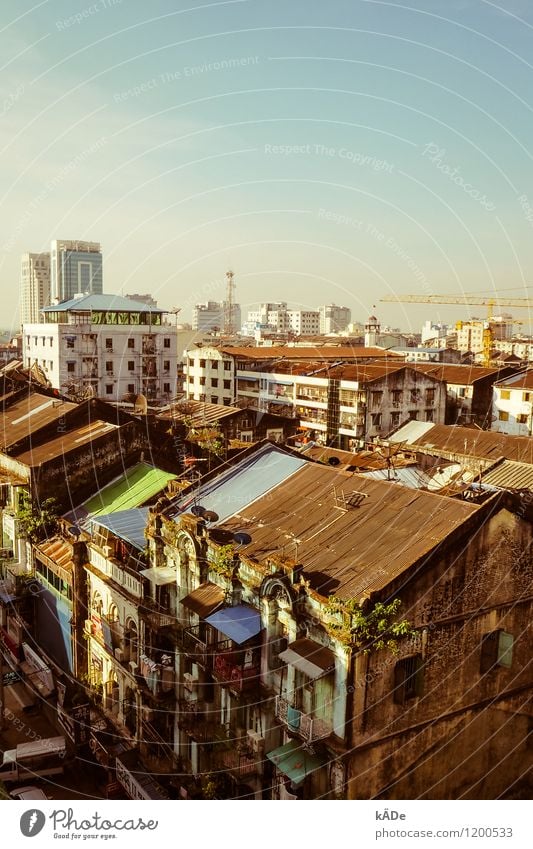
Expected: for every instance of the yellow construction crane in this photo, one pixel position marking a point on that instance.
(468, 300)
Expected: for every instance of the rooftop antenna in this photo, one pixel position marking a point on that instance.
(229, 305)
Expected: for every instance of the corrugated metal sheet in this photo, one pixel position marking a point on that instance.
(243, 483)
(204, 599)
(410, 476)
(309, 657)
(137, 486)
(411, 431)
(348, 552)
(128, 525)
(28, 415)
(470, 442)
(65, 443)
(198, 413)
(524, 380)
(510, 475)
(318, 353)
(239, 623)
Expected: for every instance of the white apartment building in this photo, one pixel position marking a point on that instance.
(470, 334)
(304, 322)
(434, 332)
(333, 319)
(209, 376)
(34, 286)
(211, 316)
(105, 344)
(348, 405)
(513, 405)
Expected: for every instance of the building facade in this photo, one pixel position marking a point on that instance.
(209, 375)
(211, 316)
(34, 286)
(107, 346)
(75, 268)
(333, 319)
(513, 405)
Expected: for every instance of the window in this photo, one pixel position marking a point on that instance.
(131, 365)
(227, 366)
(376, 398)
(202, 381)
(247, 435)
(51, 341)
(202, 363)
(415, 396)
(413, 415)
(109, 389)
(214, 382)
(191, 379)
(131, 387)
(429, 415)
(521, 419)
(227, 384)
(214, 365)
(70, 342)
(226, 401)
(201, 396)
(496, 650)
(526, 396)
(394, 419)
(166, 365)
(376, 419)
(505, 394)
(131, 343)
(214, 399)
(109, 344)
(503, 416)
(462, 392)
(408, 679)
(50, 364)
(109, 367)
(430, 396)
(71, 367)
(166, 387)
(166, 342)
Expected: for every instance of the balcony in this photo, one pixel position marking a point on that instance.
(195, 647)
(237, 759)
(237, 676)
(201, 724)
(155, 616)
(302, 724)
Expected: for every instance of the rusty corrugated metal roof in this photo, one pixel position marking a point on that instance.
(65, 443)
(510, 474)
(348, 552)
(198, 413)
(204, 600)
(28, 415)
(460, 375)
(319, 353)
(471, 442)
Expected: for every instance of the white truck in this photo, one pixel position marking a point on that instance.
(38, 757)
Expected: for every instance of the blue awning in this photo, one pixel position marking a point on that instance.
(238, 623)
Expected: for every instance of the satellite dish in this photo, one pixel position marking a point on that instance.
(333, 461)
(242, 539)
(75, 531)
(90, 392)
(210, 516)
(198, 510)
(140, 405)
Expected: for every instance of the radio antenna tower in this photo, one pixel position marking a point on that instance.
(229, 306)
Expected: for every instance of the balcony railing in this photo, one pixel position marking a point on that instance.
(236, 676)
(196, 647)
(303, 724)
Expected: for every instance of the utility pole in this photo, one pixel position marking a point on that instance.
(2, 723)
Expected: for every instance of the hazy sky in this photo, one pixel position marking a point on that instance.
(338, 150)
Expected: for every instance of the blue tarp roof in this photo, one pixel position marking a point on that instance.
(238, 623)
(128, 525)
(243, 483)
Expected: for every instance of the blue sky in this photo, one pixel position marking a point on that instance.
(336, 151)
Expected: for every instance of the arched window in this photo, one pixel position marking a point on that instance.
(97, 604)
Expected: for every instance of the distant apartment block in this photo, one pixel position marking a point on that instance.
(34, 286)
(211, 316)
(277, 318)
(143, 299)
(105, 345)
(209, 376)
(513, 405)
(75, 268)
(304, 322)
(334, 319)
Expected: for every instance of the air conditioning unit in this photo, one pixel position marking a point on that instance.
(256, 742)
(189, 682)
(120, 655)
(107, 550)
(148, 714)
(88, 627)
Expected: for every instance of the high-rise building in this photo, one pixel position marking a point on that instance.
(34, 286)
(75, 268)
(212, 315)
(334, 319)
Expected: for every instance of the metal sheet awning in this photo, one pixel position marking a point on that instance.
(238, 623)
(294, 761)
(164, 575)
(309, 657)
(204, 600)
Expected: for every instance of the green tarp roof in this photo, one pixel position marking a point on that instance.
(134, 488)
(294, 761)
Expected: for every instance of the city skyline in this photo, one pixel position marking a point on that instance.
(339, 149)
